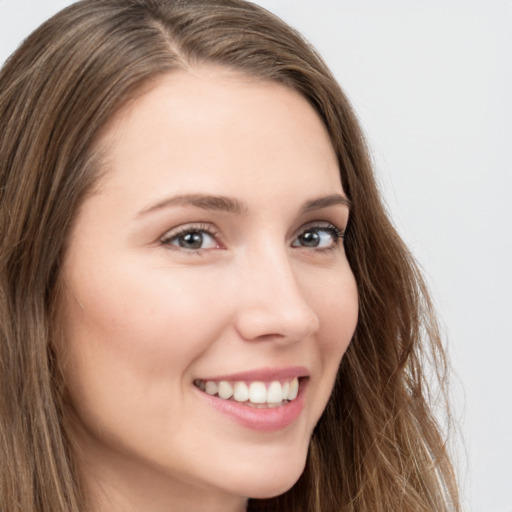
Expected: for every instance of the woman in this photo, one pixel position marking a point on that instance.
(194, 255)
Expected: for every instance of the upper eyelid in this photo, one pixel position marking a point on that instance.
(321, 224)
(185, 228)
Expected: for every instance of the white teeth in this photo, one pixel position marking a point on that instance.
(211, 387)
(294, 389)
(275, 393)
(286, 389)
(258, 393)
(225, 390)
(241, 392)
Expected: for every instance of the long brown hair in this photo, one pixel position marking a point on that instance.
(377, 447)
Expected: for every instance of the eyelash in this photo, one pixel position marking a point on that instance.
(337, 236)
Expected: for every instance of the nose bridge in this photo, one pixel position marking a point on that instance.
(272, 303)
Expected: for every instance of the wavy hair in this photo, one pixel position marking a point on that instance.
(377, 447)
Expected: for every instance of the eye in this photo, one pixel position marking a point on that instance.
(191, 238)
(325, 236)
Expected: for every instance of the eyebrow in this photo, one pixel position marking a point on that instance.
(231, 205)
(205, 202)
(325, 202)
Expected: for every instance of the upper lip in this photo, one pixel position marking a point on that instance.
(264, 374)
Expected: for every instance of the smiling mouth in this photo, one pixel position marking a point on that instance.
(258, 394)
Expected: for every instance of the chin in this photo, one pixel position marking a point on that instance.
(272, 482)
(267, 493)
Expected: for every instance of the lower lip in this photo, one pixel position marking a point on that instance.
(260, 419)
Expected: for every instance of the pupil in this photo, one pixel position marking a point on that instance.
(310, 239)
(192, 241)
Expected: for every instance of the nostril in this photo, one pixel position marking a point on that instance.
(278, 325)
(271, 305)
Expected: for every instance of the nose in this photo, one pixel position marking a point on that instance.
(271, 304)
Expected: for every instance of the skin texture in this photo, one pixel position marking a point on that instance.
(143, 317)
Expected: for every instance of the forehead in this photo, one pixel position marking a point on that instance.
(214, 124)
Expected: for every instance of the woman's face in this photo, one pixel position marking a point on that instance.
(209, 261)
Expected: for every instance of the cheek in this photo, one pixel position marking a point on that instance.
(141, 315)
(129, 341)
(129, 335)
(338, 307)
(336, 304)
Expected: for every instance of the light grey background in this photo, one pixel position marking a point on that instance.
(431, 82)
